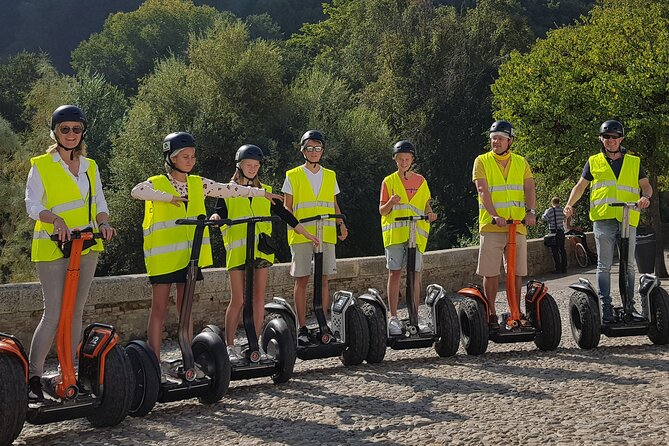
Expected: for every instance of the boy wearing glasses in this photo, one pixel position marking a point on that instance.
(310, 190)
(616, 176)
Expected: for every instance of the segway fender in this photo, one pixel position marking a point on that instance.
(280, 304)
(341, 301)
(99, 339)
(433, 295)
(373, 297)
(10, 344)
(475, 292)
(647, 282)
(584, 286)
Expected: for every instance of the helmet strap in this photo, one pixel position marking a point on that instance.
(173, 166)
(241, 172)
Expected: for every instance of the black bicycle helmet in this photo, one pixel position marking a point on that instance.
(66, 113)
(504, 127)
(177, 140)
(312, 134)
(249, 152)
(612, 126)
(404, 147)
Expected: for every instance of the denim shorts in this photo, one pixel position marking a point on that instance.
(396, 257)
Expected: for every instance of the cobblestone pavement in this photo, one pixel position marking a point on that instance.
(514, 394)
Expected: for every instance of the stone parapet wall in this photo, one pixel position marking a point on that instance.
(125, 301)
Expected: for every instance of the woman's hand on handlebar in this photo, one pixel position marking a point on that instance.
(61, 230)
(300, 229)
(107, 230)
(176, 201)
(272, 197)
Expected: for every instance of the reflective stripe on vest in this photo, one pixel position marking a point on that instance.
(167, 246)
(606, 188)
(396, 232)
(63, 198)
(306, 204)
(234, 237)
(507, 194)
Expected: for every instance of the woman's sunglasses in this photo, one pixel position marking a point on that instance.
(66, 130)
(611, 136)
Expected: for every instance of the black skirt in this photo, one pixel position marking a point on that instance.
(174, 277)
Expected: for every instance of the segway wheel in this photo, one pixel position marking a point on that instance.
(585, 320)
(277, 340)
(211, 355)
(119, 390)
(448, 329)
(659, 329)
(147, 377)
(548, 338)
(290, 323)
(376, 325)
(13, 397)
(473, 327)
(357, 337)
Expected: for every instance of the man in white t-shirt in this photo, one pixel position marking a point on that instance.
(311, 190)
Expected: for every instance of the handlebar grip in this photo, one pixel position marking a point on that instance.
(508, 221)
(78, 234)
(412, 217)
(631, 204)
(322, 217)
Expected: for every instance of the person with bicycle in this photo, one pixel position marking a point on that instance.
(554, 216)
(506, 190)
(616, 176)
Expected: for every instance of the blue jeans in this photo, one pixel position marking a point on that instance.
(607, 234)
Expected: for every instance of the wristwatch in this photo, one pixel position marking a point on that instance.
(531, 211)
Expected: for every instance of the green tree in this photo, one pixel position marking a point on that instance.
(18, 74)
(127, 47)
(612, 65)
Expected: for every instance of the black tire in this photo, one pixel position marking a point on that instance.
(13, 397)
(376, 325)
(211, 355)
(278, 341)
(119, 390)
(473, 326)
(585, 321)
(581, 255)
(146, 369)
(357, 337)
(551, 325)
(659, 329)
(270, 315)
(448, 329)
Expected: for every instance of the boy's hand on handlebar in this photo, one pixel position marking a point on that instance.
(272, 197)
(344, 232)
(176, 201)
(643, 203)
(431, 216)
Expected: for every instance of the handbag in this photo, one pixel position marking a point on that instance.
(265, 244)
(550, 239)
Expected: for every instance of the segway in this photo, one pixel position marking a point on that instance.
(277, 340)
(442, 330)
(101, 391)
(203, 371)
(348, 336)
(585, 309)
(545, 327)
(13, 388)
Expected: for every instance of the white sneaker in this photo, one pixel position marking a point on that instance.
(264, 356)
(234, 355)
(394, 326)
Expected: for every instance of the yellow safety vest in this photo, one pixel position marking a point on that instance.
(396, 232)
(508, 195)
(605, 188)
(234, 237)
(167, 246)
(63, 198)
(306, 204)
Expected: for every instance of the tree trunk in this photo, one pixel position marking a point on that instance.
(656, 223)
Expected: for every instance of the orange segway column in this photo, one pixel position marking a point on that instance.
(511, 291)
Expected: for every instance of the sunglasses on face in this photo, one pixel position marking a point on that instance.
(611, 136)
(66, 130)
(313, 148)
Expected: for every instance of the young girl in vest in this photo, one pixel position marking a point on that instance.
(312, 190)
(63, 192)
(403, 193)
(166, 245)
(249, 159)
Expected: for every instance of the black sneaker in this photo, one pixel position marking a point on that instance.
(608, 316)
(493, 322)
(303, 336)
(35, 389)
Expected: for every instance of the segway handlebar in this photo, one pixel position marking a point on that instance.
(412, 218)
(86, 235)
(322, 217)
(522, 222)
(629, 204)
(202, 221)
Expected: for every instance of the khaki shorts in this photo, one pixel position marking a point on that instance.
(492, 249)
(303, 254)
